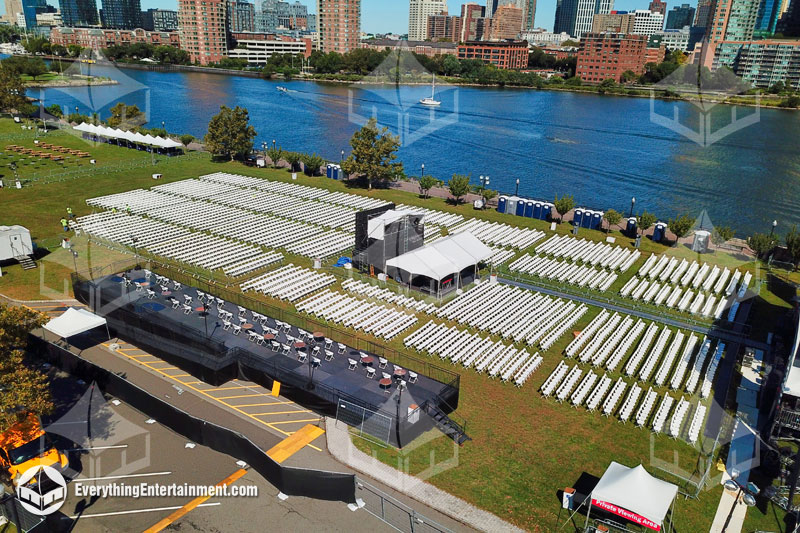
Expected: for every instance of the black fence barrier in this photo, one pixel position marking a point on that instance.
(292, 481)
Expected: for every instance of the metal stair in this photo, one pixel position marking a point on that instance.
(26, 262)
(446, 425)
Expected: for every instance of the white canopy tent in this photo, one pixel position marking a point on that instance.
(75, 321)
(114, 133)
(376, 225)
(633, 494)
(445, 257)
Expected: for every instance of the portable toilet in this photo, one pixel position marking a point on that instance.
(547, 211)
(597, 220)
(586, 221)
(577, 217)
(537, 210)
(501, 204)
(529, 209)
(659, 231)
(337, 172)
(329, 170)
(520, 212)
(630, 227)
(511, 205)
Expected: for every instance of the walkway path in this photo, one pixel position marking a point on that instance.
(724, 508)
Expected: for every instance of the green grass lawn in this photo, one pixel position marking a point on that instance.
(525, 448)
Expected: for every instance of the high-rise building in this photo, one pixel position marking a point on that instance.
(165, 20)
(528, 8)
(769, 11)
(292, 16)
(586, 10)
(702, 15)
(418, 13)
(658, 6)
(762, 63)
(267, 17)
(311, 22)
(614, 22)
(338, 25)
(679, 16)
(23, 12)
(566, 15)
(506, 23)
(443, 26)
(473, 22)
(241, 16)
(647, 22)
(202, 29)
(504, 55)
(733, 20)
(605, 56)
(79, 12)
(122, 14)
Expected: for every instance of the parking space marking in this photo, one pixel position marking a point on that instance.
(123, 476)
(262, 404)
(220, 399)
(134, 511)
(294, 443)
(283, 412)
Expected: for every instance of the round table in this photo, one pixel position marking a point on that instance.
(143, 284)
(166, 293)
(399, 372)
(368, 360)
(117, 279)
(247, 326)
(318, 336)
(385, 382)
(141, 281)
(299, 345)
(269, 337)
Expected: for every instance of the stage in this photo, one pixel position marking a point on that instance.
(354, 385)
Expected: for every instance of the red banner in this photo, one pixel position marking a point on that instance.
(624, 513)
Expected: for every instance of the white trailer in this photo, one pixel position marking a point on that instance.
(15, 241)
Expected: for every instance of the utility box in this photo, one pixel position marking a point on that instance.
(15, 241)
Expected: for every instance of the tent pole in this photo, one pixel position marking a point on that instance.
(588, 512)
(108, 332)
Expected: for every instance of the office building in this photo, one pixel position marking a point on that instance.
(575, 16)
(647, 22)
(50, 20)
(769, 11)
(443, 26)
(506, 23)
(425, 48)
(605, 56)
(122, 14)
(338, 25)
(762, 63)
(671, 39)
(202, 29)
(528, 8)
(164, 19)
(702, 15)
(241, 16)
(679, 16)
(292, 16)
(505, 54)
(97, 39)
(79, 12)
(657, 6)
(257, 48)
(542, 37)
(418, 13)
(267, 16)
(473, 22)
(614, 22)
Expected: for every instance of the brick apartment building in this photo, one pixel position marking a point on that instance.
(426, 48)
(502, 54)
(203, 28)
(605, 56)
(96, 38)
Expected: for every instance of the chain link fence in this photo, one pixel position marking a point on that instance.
(11, 512)
(394, 512)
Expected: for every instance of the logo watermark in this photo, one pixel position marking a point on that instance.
(159, 490)
(41, 490)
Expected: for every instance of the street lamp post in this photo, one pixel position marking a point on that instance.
(516, 191)
(774, 225)
(342, 159)
(74, 258)
(423, 170)
(273, 143)
(747, 494)
(134, 240)
(633, 203)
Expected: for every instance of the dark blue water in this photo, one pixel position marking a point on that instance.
(603, 150)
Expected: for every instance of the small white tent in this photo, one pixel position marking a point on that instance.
(73, 322)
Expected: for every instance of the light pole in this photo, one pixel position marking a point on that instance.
(633, 203)
(747, 494)
(774, 225)
(74, 259)
(273, 143)
(342, 159)
(423, 170)
(134, 240)
(516, 191)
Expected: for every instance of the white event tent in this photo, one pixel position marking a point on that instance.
(74, 322)
(138, 138)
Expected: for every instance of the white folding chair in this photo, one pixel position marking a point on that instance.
(353, 364)
(151, 294)
(370, 372)
(328, 355)
(412, 377)
(237, 329)
(382, 362)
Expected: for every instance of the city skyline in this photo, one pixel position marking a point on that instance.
(381, 16)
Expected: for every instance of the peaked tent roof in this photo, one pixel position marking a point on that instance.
(636, 490)
(443, 257)
(73, 322)
(116, 133)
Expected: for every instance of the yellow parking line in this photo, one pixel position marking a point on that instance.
(283, 412)
(191, 382)
(293, 421)
(294, 443)
(257, 404)
(227, 388)
(241, 396)
(181, 376)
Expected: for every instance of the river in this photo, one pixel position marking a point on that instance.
(601, 149)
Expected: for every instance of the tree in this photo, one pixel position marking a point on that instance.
(612, 218)
(35, 67)
(275, 155)
(312, 162)
(24, 389)
(762, 244)
(55, 110)
(374, 154)
(793, 245)
(680, 226)
(426, 183)
(629, 76)
(125, 116)
(458, 186)
(230, 133)
(563, 205)
(721, 234)
(293, 158)
(645, 221)
(12, 92)
(186, 139)
(487, 195)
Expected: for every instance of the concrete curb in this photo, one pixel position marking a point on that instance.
(342, 449)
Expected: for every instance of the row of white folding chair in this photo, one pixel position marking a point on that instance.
(676, 422)
(683, 364)
(614, 396)
(569, 383)
(581, 250)
(617, 335)
(555, 377)
(530, 366)
(598, 393)
(643, 414)
(662, 413)
(630, 403)
(711, 371)
(680, 270)
(662, 295)
(199, 215)
(685, 300)
(192, 188)
(249, 265)
(323, 244)
(455, 307)
(122, 228)
(731, 287)
(563, 310)
(233, 180)
(650, 294)
(669, 358)
(700, 276)
(710, 281)
(293, 189)
(352, 200)
(583, 388)
(648, 265)
(289, 282)
(514, 364)
(499, 234)
(674, 296)
(697, 367)
(641, 350)
(655, 354)
(708, 307)
(495, 366)
(548, 340)
(578, 342)
(268, 230)
(588, 352)
(618, 258)
(373, 291)
(500, 256)
(691, 272)
(694, 308)
(433, 216)
(662, 268)
(137, 200)
(489, 362)
(205, 251)
(421, 332)
(463, 345)
(697, 423)
(563, 271)
(616, 358)
(724, 303)
(640, 289)
(481, 357)
(628, 263)
(748, 276)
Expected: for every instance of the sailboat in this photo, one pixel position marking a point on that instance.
(431, 101)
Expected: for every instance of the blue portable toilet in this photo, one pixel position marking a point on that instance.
(329, 170)
(337, 172)
(511, 205)
(537, 210)
(659, 231)
(547, 210)
(501, 204)
(577, 217)
(586, 220)
(520, 212)
(529, 209)
(630, 228)
(597, 220)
